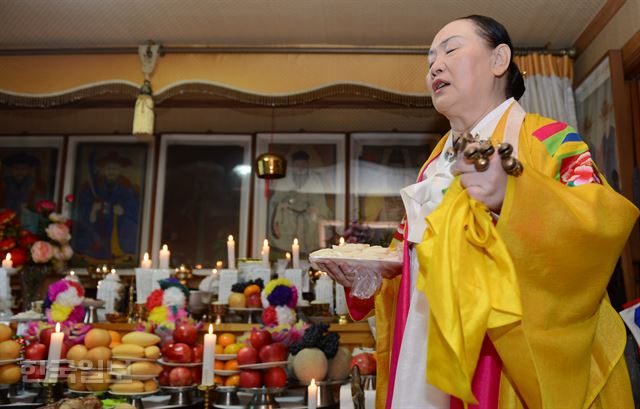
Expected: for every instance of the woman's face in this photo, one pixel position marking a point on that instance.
(460, 69)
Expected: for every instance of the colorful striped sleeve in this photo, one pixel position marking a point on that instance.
(564, 144)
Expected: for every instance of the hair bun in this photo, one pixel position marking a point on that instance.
(516, 81)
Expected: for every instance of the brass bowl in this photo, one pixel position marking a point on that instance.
(271, 166)
(116, 318)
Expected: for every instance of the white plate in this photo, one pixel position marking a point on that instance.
(130, 359)
(354, 263)
(132, 377)
(85, 392)
(10, 361)
(133, 393)
(226, 372)
(226, 357)
(178, 388)
(187, 364)
(264, 365)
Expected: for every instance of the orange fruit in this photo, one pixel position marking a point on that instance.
(231, 365)
(226, 339)
(233, 380)
(219, 349)
(251, 289)
(219, 365)
(218, 380)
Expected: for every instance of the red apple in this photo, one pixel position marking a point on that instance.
(45, 336)
(196, 375)
(179, 352)
(254, 301)
(366, 363)
(260, 338)
(275, 378)
(275, 352)
(35, 352)
(35, 372)
(164, 376)
(180, 376)
(247, 355)
(196, 353)
(166, 347)
(186, 333)
(250, 379)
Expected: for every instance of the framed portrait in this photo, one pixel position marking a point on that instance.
(310, 195)
(202, 197)
(110, 179)
(596, 121)
(381, 165)
(29, 171)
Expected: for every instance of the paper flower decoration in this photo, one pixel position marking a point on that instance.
(64, 302)
(280, 297)
(167, 304)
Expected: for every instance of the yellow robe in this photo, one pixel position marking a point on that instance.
(567, 351)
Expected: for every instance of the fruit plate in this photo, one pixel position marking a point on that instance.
(133, 393)
(274, 391)
(10, 361)
(245, 309)
(226, 372)
(185, 364)
(226, 357)
(263, 365)
(87, 368)
(86, 392)
(131, 359)
(357, 263)
(177, 388)
(132, 377)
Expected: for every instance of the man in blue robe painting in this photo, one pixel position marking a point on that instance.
(108, 212)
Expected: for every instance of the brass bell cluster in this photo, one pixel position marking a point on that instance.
(480, 152)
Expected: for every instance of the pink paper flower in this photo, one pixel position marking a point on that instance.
(67, 252)
(58, 232)
(41, 252)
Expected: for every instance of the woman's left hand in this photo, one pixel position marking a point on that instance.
(487, 187)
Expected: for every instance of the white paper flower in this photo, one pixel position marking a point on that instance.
(286, 315)
(173, 297)
(69, 297)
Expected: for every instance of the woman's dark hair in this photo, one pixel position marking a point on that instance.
(495, 34)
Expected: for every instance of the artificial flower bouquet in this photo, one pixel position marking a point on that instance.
(280, 298)
(167, 304)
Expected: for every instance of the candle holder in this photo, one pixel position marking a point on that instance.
(49, 389)
(206, 394)
(4, 395)
(131, 304)
(184, 274)
(343, 319)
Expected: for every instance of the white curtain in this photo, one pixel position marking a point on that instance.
(548, 86)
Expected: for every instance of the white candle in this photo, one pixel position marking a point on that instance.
(146, 261)
(265, 253)
(341, 241)
(295, 249)
(7, 264)
(231, 252)
(164, 257)
(312, 395)
(208, 357)
(55, 350)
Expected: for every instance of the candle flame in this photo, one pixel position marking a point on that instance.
(341, 241)
(146, 257)
(165, 248)
(265, 243)
(210, 328)
(113, 271)
(295, 242)
(214, 271)
(72, 273)
(57, 327)
(8, 256)
(313, 382)
(288, 255)
(230, 238)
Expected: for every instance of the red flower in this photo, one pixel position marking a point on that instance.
(68, 223)
(69, 198)
(7, 244)
(45, 206)
(18, 256)
(27, 239)
(78, 288)
(6, 215)
(269, 316)
(154, 299)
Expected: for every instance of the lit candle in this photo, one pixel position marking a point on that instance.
(231, 252)
(208, 357)
(265, 253)
(341, 241)
(288, 257)
(219, 264)
(7, 264)
(146, 261)
(214, 273)
(312, 395)
(164, 257)
(55, 350)
(295, 250)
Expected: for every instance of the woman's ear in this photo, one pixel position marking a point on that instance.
(501, 60)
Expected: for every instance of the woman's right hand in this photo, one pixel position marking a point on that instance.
(338, 271)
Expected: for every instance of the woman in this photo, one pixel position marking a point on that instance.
(526, 323)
